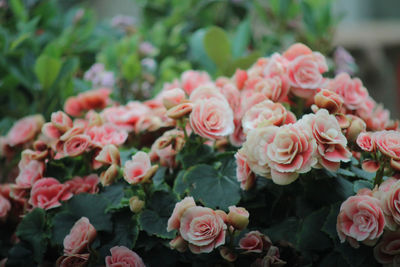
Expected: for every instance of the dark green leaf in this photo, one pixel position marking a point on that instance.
(194, 153)
(241, 39)
(211, 187)
(285, 230)
(363, 174)
(360, 184)
(217, 46)
(47, 69)
(33, 230)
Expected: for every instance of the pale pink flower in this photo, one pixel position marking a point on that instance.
(243, 172)
(387, 251)
(388, 143)
(255, 241)
(47, 193)
(79, 238)
(366, 141)
(123, 257)
(360, 219)
(29, 174)
(87, 184)
(203, 229)
(107, 134)
(174, 221)
(24, 130)
(77, 145)
(192, 79)
(135, 170)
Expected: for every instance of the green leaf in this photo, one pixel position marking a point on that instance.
(241, 39)
(113, 194)
(333, 259)
(127, 154)
(311, 236)
(197, 52)
(194, 153)
(33, 230)
(179, 184)
(19, 10)
(213, 188)
(20, 255)
(329, 226)
(47, 69)
(155, 217)
(217, 46)
(360, 184)
(83, 205)
(159, 176)
(242, 63)
(285, 230)
(363, 174)
(131, 67)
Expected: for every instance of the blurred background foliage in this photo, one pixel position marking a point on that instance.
(50, 50)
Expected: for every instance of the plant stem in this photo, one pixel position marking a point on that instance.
(379, 174)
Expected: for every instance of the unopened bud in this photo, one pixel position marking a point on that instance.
(179, 244)
(173, 97)
(180, 110)
(108, 177)
(109, 154)
(238, 217)
(328, 100)
(227, 254)
(150, 174)
(357, 126)
(135, 204)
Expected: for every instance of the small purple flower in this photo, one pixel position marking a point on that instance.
(99, 76)
(344, 61)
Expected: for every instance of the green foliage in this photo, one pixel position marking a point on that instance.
(47, 69)
(153, 220)
(34, 230)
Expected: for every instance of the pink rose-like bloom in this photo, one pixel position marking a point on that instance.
(276, 66)
(107, 134)
(351, 90)
(290, 151)
(94, 99)
(109, 154)
(388, 142)
(125, 117)
(304, 74)
(390, 203)
(87, 184)
(192, 79)
(172, 97)
(275, 88)
(212, 118)
(77, 145)
(332, 144)
(162, 149)
(238, 137)
(266, 113)
(366, 141)
(73, 107)
(50, 131)
(203, 229)
(206, 92)
(61, 121)
(29, 174)
(24, 130)
(5, 207)
(295, 50)
(232, 95)
(240, 78)
(77, 260)
(238, 217)
(387, 251)
(123, 257)
(328, 100)
(360, 219)
(135, 170)
(174, 221)
(379, 119)
(243, 172)
(47, 193)
(80, 237)
(255, 241)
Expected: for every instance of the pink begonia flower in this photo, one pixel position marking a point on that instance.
(107, 134)
(77, 145)
(332, 144)
(266, 113)
(172, 97)
(351, 90)
(73, 107)
(296, 50)
(180, 208)
(46, 193)
(123, 257)
(328, 100)
(275, 88)
(243, 172)
(77, 260)
(29, 174)
(387, 251)
(388, 143)
(80, 236)
(360, 219)
(24, 130)
(212, 118)
(136, 169)
(192, 79)
(5, 207)
(255, 241)
(390, 200)
(87, 184)
(203, 229)
(109, 154)
(240, 78)
(366, 142)
(61, 121)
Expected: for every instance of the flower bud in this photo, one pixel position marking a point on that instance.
(135, 204)
(343, 120)
(222, 214)
(173, 97)
(94, 118)
(395, 164)
(109, 154)
(108, 177)
(370, 165)
(61, 121)
(180, 110)
(150, 174)
(238, 217)
(328, 100)
(227, 254)
(357, 126)
(179, 244)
